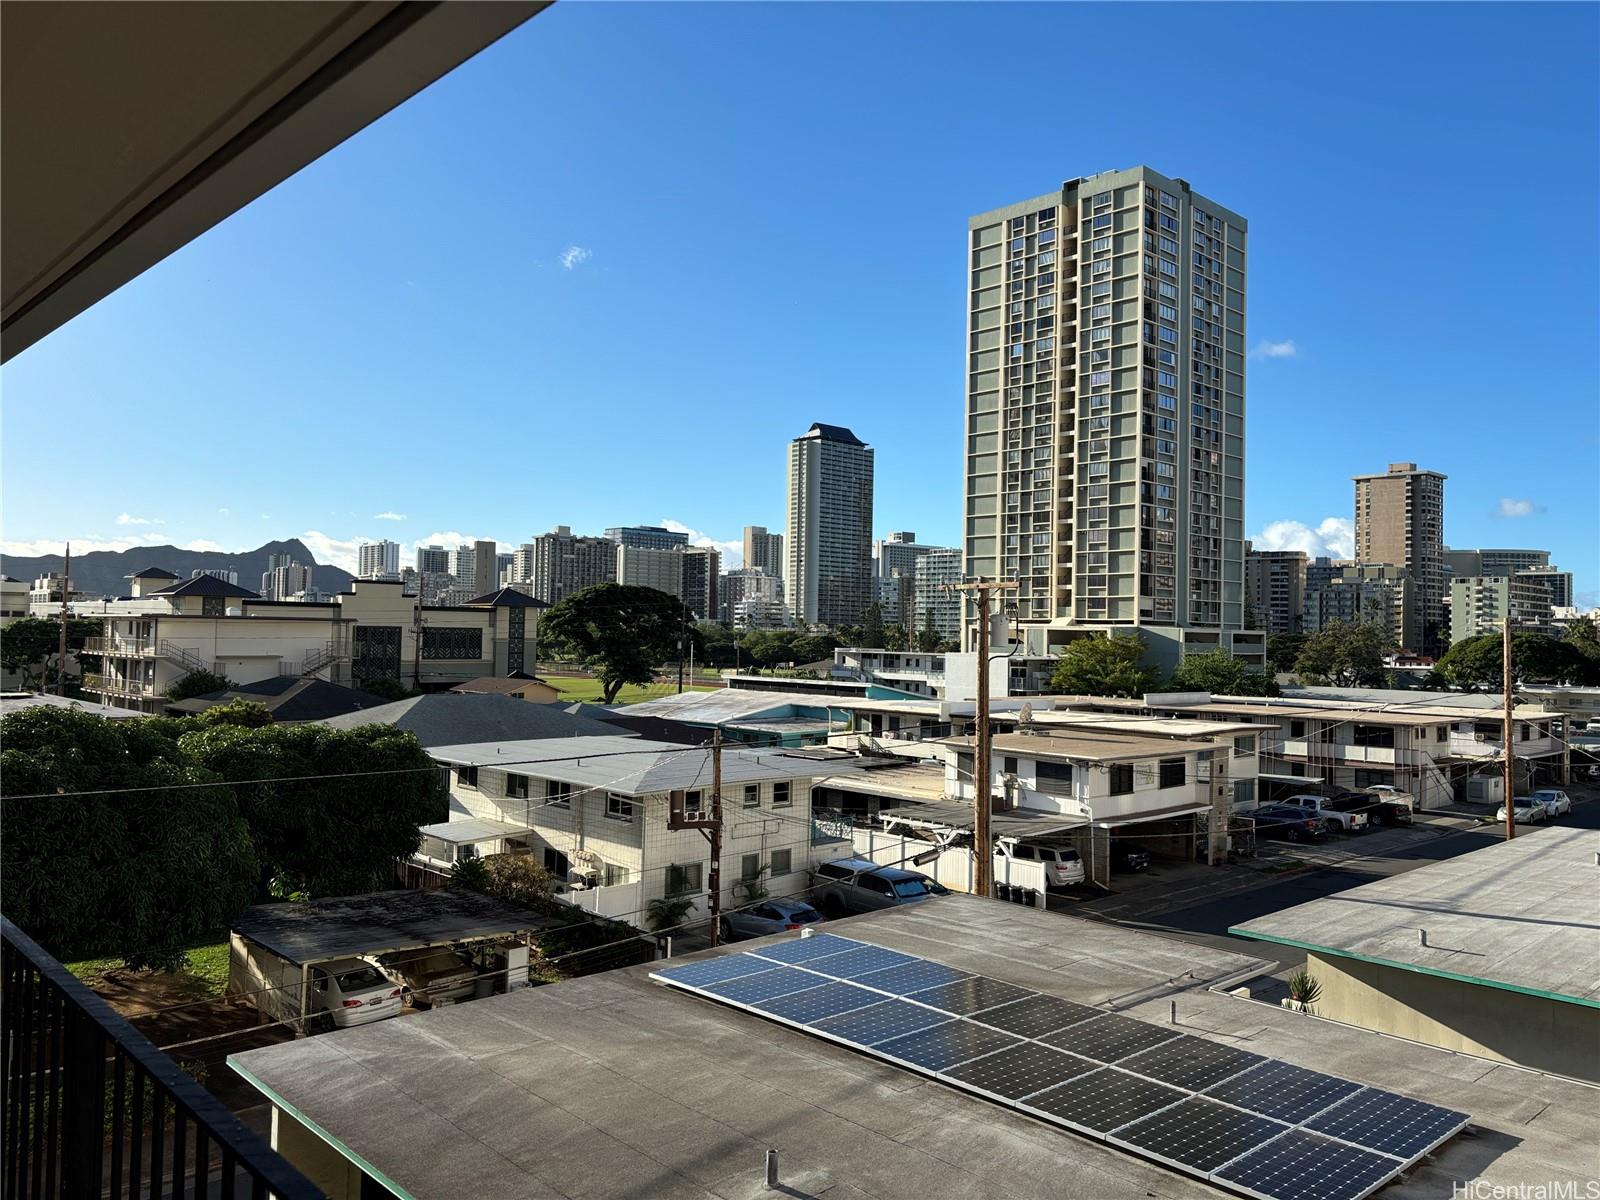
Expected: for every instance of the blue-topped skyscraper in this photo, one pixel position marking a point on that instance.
(829, 539)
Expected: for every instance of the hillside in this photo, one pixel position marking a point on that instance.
(105, 572)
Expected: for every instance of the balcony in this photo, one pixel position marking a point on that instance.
(121, 647)
(91, 1107)
(110, 685)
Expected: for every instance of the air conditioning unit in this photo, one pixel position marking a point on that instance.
(579, 879)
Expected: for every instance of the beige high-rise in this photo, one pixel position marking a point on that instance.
(1400, 520)
(1106, 407)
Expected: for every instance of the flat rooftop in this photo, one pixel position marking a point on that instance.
(918, 781)
(613, 1086)
(1086, 744)
(1522, 915)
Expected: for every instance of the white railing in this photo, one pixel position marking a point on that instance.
(616, 900)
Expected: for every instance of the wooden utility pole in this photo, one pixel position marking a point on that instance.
(61, 652)
(1511, 766)
(714, 834)
(983, 801)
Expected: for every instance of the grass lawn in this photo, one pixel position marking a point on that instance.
(204, 974)
(588, 690)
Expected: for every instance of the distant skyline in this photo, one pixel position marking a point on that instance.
(603, 273)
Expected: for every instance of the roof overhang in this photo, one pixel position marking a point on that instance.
(127, 130)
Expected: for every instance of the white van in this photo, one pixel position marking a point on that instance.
(1062, 865)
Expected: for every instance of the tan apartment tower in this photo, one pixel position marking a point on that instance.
(1106, 411)
(1400, 520)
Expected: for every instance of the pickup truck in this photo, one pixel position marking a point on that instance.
(1379, 811)
(1344, 820)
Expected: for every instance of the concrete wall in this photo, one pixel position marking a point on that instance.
(314, 1158)
(1549, 1035)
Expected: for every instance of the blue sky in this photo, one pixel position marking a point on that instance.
(603, 272)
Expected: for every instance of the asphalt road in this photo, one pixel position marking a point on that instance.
(1207, 922)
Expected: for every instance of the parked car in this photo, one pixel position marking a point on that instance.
(1528, 811)
(1394, 795)
(858, 885)
(1343, 819)
(350, 991)
(1128, 858)
(770, 916)
(1556, 802)
(434, 976)
(1290, 824)
(1062, 864)
(1379, 812)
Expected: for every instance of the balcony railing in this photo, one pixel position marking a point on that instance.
(110, 685)
(89, 1107)
(124, 647)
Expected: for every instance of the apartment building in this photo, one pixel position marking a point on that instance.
(763, 551)
(897, 554)
(1480, 604)
(1275, 585)
(1360, 592)
(647, 537)
(936, 604)
(1106, 408)
(759, 612)
(747, 583)
(829, 539)
(1400, 521)
(595, 813)
(1533, 565)
(652, 567)
(564, 563)
(702, 578)
(378, 560)
(286, 580)
(166, 630)
(432, 560)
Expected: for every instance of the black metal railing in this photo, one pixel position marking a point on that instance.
(90, 1107)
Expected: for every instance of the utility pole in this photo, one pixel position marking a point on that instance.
(714, 835)
(983, 802)
(1511, 766)
(61, 653)
(683, 639)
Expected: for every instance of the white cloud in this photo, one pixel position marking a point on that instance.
(80, 545)
(1334, 537)
(130, 519)
(732, 551)
(208, 546)
(389, 516)
(340, 552)
(224, 512)
(573, 256)
(1509, 508)
(1284, 349)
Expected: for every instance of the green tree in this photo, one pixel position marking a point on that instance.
(1344, 654)
(198, 683)
(621, 632)
(125, 870)
(385, 687)
(247, 713)
(872, 631)
(1478, 663)
(1220, 674)
(30, 647)
(1103, 666)
(894, 637)
(517, 879)
(719, 644)
(1283, 649)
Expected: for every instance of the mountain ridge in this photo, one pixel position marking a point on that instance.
(105, 572)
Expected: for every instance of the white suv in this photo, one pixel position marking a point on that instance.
(1062, 865)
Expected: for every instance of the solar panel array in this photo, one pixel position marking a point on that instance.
(1253, 1124)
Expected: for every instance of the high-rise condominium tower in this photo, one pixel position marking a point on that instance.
(1400, 520)
(1106, 405)
(378, 560)
(829, 538)
(763, 551)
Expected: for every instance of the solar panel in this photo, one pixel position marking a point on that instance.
(1282, 1090)
(1109, 1037)
(1191, 1063)
(1198, 1135)
(1036, 1015)
(805, 949)
(946, 1045)
(712, 970)
(1256, 1125)
(747, 989)
(861, 961)
(1388, 1122)
(1304, 1166)
(1103, 1100)
(911, 977)
(881, 1022)
(1020, 1071)
(969, 995)
(814, 1004)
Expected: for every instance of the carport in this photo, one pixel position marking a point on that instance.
(272, 947)
(442, 843)
(1173, 832)
(1277, 787)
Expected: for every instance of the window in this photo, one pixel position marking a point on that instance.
(1009, 765)
(556, 863)
(459, 644)
(752, 795)
(1297, 729)
(683, 879)
(557, 794)
(213, 606)
(782, 862)
(1171, 774)
(516, 787)
(618, 808)
(780, 794)
(1244, 747)
(750, 867)
(467, 777)
(1121, 778)
(1372, 735)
